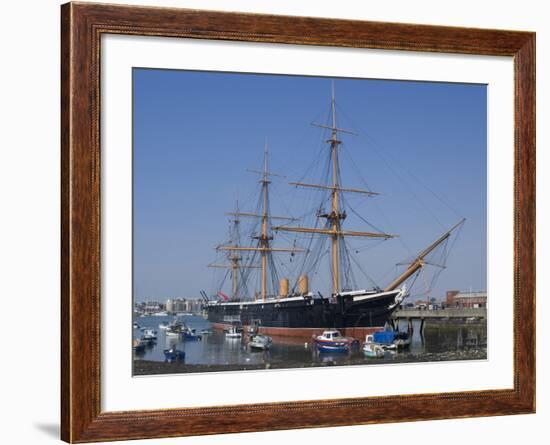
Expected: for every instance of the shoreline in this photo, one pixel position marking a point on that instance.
(150, 367)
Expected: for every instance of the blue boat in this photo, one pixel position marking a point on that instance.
(332, 342)
(386, 337)
(189, 334)
(391, 339)
(174, 355)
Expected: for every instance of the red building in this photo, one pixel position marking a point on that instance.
(456, 298)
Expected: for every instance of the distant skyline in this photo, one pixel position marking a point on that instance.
(422, 145)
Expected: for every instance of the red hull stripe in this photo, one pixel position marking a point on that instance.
(308, 333)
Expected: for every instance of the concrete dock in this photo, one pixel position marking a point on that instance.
(425, 314)
(447, 314)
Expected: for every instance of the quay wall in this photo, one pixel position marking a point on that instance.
(406, 314)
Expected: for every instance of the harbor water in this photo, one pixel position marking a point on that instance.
(440, 341)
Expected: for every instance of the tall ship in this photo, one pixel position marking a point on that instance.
(273, 304)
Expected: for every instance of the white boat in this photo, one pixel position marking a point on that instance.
(174, 328)
(260, 341)
(149, 334)
(233, 333)
(165, 325)
(371, 348)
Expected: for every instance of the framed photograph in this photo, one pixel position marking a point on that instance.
(275, 222)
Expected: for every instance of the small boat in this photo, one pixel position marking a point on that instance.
(165, 325)
(403, 340)
(236, 326)
(174, 355)
(371, 348)
(148, 342)
(206, 332)
(174, 328)
(138, 345)
(332, 341)
(390, 339)
(260, 341)
(189, 334)
(149, 334)
(136, 326)
(233, 333)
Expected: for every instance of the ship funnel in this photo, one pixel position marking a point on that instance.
(283, 287)
(303, 285)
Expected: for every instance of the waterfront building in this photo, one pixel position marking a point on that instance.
(455, 298)
(191, 305)
(149, 307)
(169, 306)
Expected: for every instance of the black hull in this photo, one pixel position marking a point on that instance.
(308, 312)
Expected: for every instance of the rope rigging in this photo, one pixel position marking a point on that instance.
(322, 212)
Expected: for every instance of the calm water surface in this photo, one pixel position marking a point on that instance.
(439, 342)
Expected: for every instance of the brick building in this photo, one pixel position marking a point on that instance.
(455, 298)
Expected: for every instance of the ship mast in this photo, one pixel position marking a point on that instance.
(265, 238)
(336, 216)
(234, 258)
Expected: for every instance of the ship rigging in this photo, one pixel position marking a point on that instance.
(264, 238)
(335, 218)
(279, 309)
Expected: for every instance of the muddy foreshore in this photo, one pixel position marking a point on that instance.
(149, 367)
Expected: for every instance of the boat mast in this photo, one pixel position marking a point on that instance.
(336, 215)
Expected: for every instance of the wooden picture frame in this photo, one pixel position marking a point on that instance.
(82, 26)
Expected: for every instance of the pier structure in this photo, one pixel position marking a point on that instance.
(410, 315)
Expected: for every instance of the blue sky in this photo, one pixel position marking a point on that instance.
(422, 145)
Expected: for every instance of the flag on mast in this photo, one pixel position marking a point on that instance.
(221, 294)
